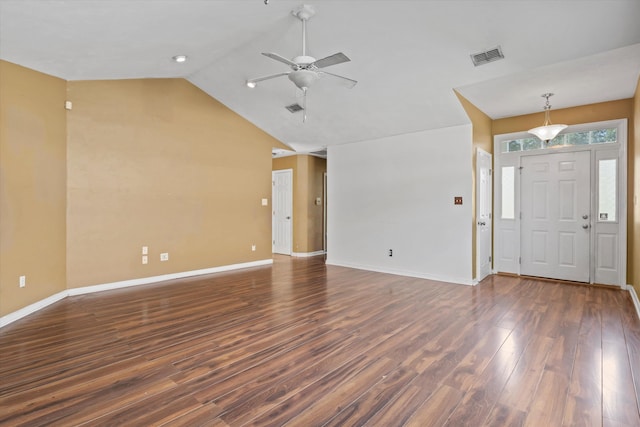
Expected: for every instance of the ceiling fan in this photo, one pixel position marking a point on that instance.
(305, 70)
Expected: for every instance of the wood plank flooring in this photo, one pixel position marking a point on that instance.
(304, 344)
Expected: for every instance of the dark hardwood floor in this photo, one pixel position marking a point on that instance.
(304, 344)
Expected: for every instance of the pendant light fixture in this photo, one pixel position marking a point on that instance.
(547, 131)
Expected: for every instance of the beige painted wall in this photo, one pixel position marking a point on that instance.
(32, 186)
(308, 172)
(483, 139)
(158, 162)
(634, 201)
(315, 232)
(621, 109)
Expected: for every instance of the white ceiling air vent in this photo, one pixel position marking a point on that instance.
(487, 56)
(294, 108)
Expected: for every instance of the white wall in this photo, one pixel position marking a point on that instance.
(397, 193)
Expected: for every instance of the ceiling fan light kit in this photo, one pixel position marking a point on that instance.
(305, 69)
(547, 131)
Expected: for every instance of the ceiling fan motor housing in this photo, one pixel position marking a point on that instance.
(304, 61)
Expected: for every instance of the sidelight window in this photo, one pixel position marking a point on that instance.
(607, 185)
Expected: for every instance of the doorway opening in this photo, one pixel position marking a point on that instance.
(281, 216)
(560, 210)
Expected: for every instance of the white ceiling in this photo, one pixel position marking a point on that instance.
(408, 56)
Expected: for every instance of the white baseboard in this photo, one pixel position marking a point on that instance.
(454, 280)
(307, 254)
(164, 277)
(31, 308)
(634, 298)
(19, 314)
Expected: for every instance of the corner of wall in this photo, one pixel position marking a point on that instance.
(32, 186)
(634, 180)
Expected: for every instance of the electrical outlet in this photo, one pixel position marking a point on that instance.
(145, 259)
(390, 252)
(253, 248)
(145, 250)
(164, 256)
(23, 281)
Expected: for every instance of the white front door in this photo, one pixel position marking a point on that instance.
(483, 214)
(282, 201)
(555, 207)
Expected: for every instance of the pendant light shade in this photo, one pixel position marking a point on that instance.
(547, 131)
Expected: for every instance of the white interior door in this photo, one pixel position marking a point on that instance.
(555, 215)
(282, 201)
(483, 214)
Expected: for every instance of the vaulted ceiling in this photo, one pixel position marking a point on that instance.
(408, 56)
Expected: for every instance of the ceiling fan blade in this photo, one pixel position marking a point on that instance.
(336, 58)
(273, 76)
(280, 59)
(349, 83)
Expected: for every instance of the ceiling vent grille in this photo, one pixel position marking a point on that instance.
(487, 56)
(294, 108)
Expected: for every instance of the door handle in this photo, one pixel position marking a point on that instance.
(585, 226)
(482, 223)
(288, 217)
(585, 216)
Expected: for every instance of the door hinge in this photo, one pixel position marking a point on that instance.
(489, 259)
(519, 260)
(490, 172)
(520, 215)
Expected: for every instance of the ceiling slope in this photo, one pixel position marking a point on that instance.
(408, 56)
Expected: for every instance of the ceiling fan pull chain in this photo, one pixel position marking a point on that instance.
(304, 105)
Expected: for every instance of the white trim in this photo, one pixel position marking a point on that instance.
(154, 279)
(307, 254)
(452, 280)
(16, 315)
(32, 308)
(634, 298)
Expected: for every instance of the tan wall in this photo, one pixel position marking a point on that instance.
(621, 109)
(315, 213)
(32, 186)
(160, 163)
(483, 139)
(634, 200)
(308, 182)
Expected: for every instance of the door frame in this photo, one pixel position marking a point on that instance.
(506, 232)
(324, 214)
(479, 194)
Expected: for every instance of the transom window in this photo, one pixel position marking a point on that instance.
(600, 136)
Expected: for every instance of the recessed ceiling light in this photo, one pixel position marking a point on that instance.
(251, 84)
(180, 58)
